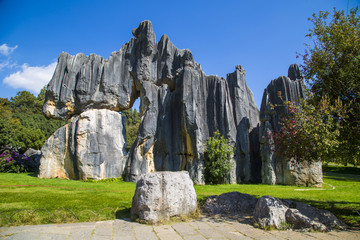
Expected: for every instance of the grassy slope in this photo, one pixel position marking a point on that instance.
(79, 196)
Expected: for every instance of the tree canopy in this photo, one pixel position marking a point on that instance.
(22, 124)
(332, 69)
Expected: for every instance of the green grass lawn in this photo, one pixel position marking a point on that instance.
(59, 200)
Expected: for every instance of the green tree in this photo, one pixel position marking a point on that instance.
(332, 68)
(217, 164)
(310, 132)
(132, 126)
(22, 124)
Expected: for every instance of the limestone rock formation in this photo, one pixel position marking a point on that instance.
(161, 195)
(181, 107)
(91, 146)
(275, 169)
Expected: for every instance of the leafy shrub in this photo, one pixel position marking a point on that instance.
(13, 162)
(217, 164)
(310, 132)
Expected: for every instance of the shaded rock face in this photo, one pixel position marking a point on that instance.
(91, 146)
(34, 156)
(161, 195)
(181, 107)
(275, 169)
(229, 204)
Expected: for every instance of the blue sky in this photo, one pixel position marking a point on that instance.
(263, 36)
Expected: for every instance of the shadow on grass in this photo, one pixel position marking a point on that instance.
(342, 177)
(123, 213)
(342, 170)
(33, 174)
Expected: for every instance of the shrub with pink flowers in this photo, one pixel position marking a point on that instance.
(310, 132)
(13, 162)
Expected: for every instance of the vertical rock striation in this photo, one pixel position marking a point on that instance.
(181, 107)
(276, 169)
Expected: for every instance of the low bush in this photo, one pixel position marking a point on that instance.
(13, 162)
(217, 164)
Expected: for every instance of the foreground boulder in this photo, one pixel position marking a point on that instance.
(273, 212)
(232, 203)
(269, 211)
(303, 216)
(91, 146)
(161, 195)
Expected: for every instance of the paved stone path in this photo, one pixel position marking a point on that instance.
(205, 228)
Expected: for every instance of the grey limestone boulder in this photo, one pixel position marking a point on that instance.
(269, 211)
(91, 146)
(303, 216)
(161, 195)
(232, 203)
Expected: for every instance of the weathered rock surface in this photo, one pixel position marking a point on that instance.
(232, 203)
(303, 216)
(181, 107)
(161, 195)
(276, 169)
(91, 146)
(269, 211)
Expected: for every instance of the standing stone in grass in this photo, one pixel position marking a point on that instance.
(91, 146)
(161, 195)
(269, 211)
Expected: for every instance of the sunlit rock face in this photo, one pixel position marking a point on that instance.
(277, 169)
(91, 146)
(181, 108)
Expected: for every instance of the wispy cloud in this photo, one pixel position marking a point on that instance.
(6, 50)
(7, 64)
(31, 78)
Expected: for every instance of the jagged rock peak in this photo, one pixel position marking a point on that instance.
(145, 28)
(240, 69)
(294, 72)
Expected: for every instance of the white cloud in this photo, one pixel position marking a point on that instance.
(6, 50)
(31, 78)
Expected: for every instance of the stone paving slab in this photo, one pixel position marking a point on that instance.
(124, 229)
